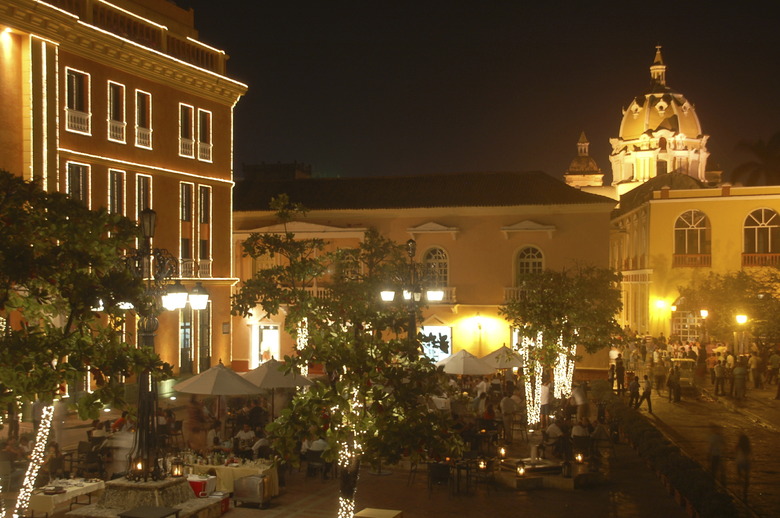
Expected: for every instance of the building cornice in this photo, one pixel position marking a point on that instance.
(80, 38)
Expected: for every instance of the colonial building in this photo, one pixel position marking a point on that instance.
(477, 230)
(119, 105)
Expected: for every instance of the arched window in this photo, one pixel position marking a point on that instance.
(762, 232)
(437, 266)
(692, 233)
(529, 260)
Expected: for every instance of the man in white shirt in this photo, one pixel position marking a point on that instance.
(246, 439)
(508, 409)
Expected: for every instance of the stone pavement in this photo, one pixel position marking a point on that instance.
(630, 490)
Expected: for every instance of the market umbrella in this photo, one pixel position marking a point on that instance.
(503, 358)
(217, 381)
(271, 375)
(463, 362)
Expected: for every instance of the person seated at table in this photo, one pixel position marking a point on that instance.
(11, 458)
(97, 430)
(13, 451)
(214, 439)
(245, 438)
(122, 424)
(53, 465)
(553, 438)
(580, 428)
(262, 447)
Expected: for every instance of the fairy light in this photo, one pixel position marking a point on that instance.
(564, 369)
(533, 393)
(37, 457)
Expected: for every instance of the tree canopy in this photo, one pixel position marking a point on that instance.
(371, 404)
(58, 261)
(755, 295)
(569, 307)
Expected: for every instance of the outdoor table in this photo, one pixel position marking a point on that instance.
(370, 512)
(227, 475)
(462, 469)
(40, 502)
(150, 511)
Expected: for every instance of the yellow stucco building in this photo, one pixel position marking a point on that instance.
(478, 230)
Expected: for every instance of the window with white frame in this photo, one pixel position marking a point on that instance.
(204, 135)
(78, 118)
(143, 194)
(116, 191)
(692, 233)
(78, 182)
(762, 232)
(143, 119)
(529, 260)
(437, 267)
(204, 204)
(185, 206)
(116, 112)
(186, 123)
(185, 340)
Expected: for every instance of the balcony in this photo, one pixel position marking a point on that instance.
(116, 130)
(512, 294)
(77, 121)
(204, 268)
(187, 268)
(143, 137)
(761, 260)
(691, 260)
(204, 151)
(186, 147)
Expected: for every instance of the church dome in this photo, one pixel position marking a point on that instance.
(660, 108)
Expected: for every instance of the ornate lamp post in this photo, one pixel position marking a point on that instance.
(412, 289)
(157, 266)
(704, 314)
(740, 335)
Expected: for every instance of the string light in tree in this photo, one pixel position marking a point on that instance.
(37, 457)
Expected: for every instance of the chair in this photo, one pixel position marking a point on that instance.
(315, 465)
(485, 472)
(176, 434)
(439, 475)
(520, 424)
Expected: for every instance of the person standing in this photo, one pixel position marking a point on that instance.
(743, 458)
(581, 400)
(720, 379)
(544, 400)
(620, 374)
(633, 392)
(647, 390)
(774, 367)
(740, 380)
(507, 407)
(754, 364)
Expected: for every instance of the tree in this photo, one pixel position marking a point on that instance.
(556, 312)
(58, 260)
(371, 406)
(764, 167)
(756, 295)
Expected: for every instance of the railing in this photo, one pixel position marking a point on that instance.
(761, 260)
(143, 137)
(512, 294)
(204, 268)
(116, 130)
(318, 292)
(186, 147)
(187, 268)
(449, 295)
(204, 151)
(691, 260)
(77, 120)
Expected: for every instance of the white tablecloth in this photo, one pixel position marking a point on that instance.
(47, 503)
(227, 475)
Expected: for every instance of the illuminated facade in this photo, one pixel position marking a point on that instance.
(478, 230)
(119, 105)
(673, 230)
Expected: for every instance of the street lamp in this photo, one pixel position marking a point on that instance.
(412, 289)
(704, 314)
(741, 321)
(157, 266)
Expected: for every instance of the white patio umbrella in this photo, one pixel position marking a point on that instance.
(271, 375)
(463, 362)
(503, 358)
(217, 381)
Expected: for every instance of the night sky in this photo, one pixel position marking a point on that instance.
(374, 88)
